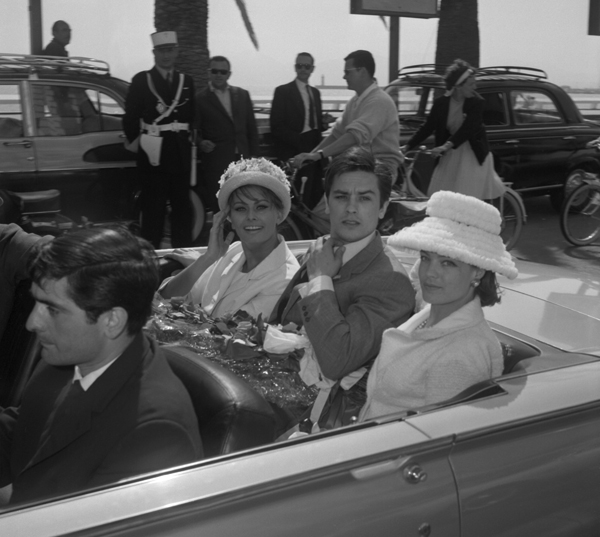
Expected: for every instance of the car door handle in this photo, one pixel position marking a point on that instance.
(412, 472)
(122, 136)
(569, 138)
(24, 143)
(513, 142)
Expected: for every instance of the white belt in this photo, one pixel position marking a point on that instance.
(154, 130)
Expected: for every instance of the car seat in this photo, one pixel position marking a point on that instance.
(231, 415)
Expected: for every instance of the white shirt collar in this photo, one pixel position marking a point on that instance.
(352, 249)
(92, 377)
(216, 90)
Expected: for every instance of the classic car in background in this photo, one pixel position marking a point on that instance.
(516, 455)
(536, 132)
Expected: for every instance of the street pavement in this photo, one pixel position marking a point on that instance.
(542, 241)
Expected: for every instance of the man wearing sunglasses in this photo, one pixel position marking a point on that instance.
(226, 127)
(370, 119)
(297, 123)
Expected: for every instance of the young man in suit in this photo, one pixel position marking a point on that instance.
(159, 118)
(351, 287)
(103, 403)
(297, 123)
(226, 127)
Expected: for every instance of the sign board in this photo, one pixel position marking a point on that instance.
(423, 9)
(594, 18)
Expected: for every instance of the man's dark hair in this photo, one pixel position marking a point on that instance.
(357, 159)
(306, 54)
(220, 59)
(104, 268)
(362, 58)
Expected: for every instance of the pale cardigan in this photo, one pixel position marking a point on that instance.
(420, 366)
(223, 287)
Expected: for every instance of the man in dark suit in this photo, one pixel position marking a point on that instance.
(296, 125)
(351, 287)
(103, 403)
(226, 126)
(158, 121)
(61, 37)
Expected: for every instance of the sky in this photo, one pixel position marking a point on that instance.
(546, 34)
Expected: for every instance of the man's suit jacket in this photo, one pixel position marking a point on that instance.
(55, 48)
(231, 135)
(472, 129)
(372, 292)
(141, 103)
(287, 119)
(136, 417)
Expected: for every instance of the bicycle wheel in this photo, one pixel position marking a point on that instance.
(580, 215)
(512, 219)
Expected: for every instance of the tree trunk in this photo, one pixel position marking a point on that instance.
(458, 33)
(189, 18)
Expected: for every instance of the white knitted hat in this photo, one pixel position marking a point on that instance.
(460, 227)
(255, 171)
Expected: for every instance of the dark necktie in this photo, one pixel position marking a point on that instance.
(311, 109)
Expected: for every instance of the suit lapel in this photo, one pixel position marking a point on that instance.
(217, 104)
(297, 100)
(362, 260)
(76, 420)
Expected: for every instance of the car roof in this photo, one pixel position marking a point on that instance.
(430, 75)
(71, 69)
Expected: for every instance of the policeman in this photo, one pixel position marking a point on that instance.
(158, 122)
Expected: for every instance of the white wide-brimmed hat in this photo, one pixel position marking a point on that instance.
(164, 39)
(255, 171)
(460, 227)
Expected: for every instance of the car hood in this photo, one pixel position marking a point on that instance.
(556, 306)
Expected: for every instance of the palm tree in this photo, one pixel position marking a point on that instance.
(458, 32)
(189, 18)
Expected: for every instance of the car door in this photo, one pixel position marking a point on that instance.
(79, 148)
(543, 138)
(503, 144)
(383, 480)
(16, 145)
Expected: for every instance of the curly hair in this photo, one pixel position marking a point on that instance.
(488, 289)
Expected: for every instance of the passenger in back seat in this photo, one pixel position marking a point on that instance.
(448, 345)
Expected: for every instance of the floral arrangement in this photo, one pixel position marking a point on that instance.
(235, 342)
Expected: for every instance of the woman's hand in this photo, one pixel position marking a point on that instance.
(438, 151)
(218, 244)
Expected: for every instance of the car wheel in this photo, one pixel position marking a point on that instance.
(574, 179)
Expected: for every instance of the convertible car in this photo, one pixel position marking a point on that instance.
(516, 455)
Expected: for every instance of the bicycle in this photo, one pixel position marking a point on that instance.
(510, 205)
(580, 213)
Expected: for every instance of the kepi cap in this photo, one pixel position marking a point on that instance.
(164, 39)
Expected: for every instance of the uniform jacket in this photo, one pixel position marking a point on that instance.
(141, 103)
(215, 124)
(287, 118)
(136, 417)
(472, 129)
(372, 292)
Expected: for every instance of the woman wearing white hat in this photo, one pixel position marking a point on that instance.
(447, 346)
(252, 274)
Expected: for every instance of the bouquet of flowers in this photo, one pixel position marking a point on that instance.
(235, 342)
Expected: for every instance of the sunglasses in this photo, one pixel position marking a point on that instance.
(306, 66)
(219, 71)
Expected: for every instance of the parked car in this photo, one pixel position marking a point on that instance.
(60, 128)
(536, 132)
(516, 455)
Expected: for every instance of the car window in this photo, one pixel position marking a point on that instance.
(494, 109)
(534, 107)
(11, 113)
(414, 103)
(72, 110)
